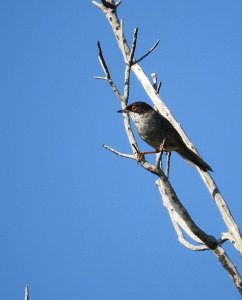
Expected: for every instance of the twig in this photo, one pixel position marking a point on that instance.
(145, 164)
(168, 159)
(184, 242)
(98, 5)
(154, 82)
(131, 156)
(225, 236)
(133, 47)
(118, 3)
(159, 156)
(26, 295)
(136, 148)
(146, 54)
(123, 98)
(158, 88)
(106, 72)
(128, 68)
(159, 159)
(102, 61)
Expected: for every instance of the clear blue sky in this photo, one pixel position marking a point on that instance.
(77, 222)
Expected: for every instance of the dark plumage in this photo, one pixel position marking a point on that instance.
(153, 128)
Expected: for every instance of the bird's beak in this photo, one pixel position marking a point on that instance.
(123, 111)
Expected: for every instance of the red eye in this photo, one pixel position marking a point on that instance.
(134, 108)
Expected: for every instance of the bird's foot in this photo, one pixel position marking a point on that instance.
(140, 156)
(162, 146)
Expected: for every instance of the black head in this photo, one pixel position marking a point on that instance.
(137, 107)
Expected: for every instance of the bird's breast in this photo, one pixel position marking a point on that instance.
(153, 131)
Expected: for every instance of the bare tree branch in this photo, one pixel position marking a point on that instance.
(26, 295)
(146, 54)
(141, 76)
(131, 156)
(233, 229)
(165, 188)
(133, 47)
(180, 218)
(159, 159)
(98, 5)
(106, 72)
(128, 68)
(229, 266)
(156, 86)
(184, 242)
(123, 98)
(168, 159)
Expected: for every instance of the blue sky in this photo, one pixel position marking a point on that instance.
(76, 221)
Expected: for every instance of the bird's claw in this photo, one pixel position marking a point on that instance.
(140, 156)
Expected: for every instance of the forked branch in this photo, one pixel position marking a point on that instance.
(152, 93)
(180, 217)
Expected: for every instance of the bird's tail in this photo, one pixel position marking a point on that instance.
(189, 155)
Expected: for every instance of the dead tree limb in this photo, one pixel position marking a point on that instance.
(179, 216)
(110, 13)
(26, 294)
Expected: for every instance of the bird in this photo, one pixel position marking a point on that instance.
(159, 133)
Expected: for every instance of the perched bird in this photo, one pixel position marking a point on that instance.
(153, 128)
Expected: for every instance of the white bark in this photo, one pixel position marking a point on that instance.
(145, 82)
(181, 220)
(26, 295)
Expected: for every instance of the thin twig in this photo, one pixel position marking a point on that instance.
(102, 61)
(154, 83)
(184, 242)
(168, 159)
(159, 159)
(100, 78)
(145, 55)
(128, 68)
(118, 3)
(26, 294)
(133, 47)
(131, 156)
(122, 98)
(106, 72)
(98, 5)
(158, 88)
(154, 80)
(159, 156)
(136, 148)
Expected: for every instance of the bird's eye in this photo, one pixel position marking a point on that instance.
(134, 108)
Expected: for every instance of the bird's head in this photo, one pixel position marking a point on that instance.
(136, 108)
